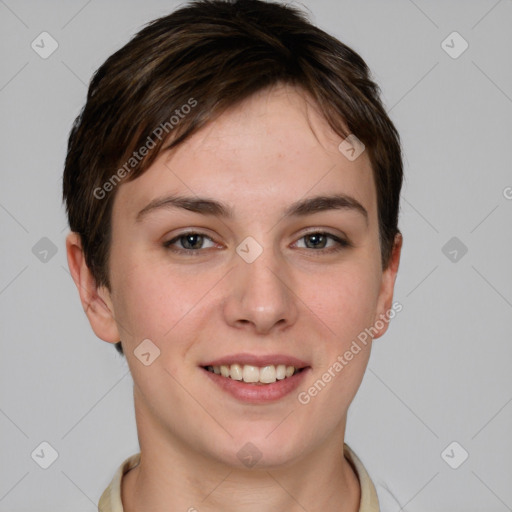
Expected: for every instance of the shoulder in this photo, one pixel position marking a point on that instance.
(110, 500)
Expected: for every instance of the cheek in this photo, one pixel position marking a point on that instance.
(151, 302)
(346, 306)
(345, 301)
(156, 301)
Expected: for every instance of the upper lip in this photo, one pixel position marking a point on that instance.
(258, 360)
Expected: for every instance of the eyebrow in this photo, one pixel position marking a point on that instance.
(301, 208)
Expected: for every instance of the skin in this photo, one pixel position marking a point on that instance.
(294, 299)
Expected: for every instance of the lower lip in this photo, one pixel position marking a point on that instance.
(258, 393)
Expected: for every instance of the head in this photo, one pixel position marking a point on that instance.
(241, 111)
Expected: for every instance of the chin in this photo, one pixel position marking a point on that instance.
(260, 447)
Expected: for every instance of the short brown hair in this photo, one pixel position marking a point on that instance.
(208, 56)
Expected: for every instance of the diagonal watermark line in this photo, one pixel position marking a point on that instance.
(14, 218)
(195, 305)
(198, 403)
(14, 76)
(75, 15)
(422, 280)
(494, 288)
(78, 488)
(286, 491)
(421, 215)
(485, 15)
(414, 86)
(383, 485)
(487, 423)
(492, 81)
(403, 403)
(424, 14)
(13, 13)
(216, 487)
(74, 73)
(14, 485)
(333, 333)
(13, 423)
(481, 222)
(13, 279)
(280, 423)
(403, 506)
(127, 373)
(508, 508)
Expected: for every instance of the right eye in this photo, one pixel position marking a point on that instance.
(191, 242)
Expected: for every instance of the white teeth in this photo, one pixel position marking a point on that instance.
(235, 372)
(253, 374)
(280, 372)
(268, 374)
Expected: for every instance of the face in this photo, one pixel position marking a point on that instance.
(249, 274)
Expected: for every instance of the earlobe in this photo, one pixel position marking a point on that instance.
(385, 300)
(95, 300)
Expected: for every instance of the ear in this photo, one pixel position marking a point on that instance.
(384, 302)
(95, 300)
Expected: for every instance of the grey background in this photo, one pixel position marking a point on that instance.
(442, 371)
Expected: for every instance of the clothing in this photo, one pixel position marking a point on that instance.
(110, 500)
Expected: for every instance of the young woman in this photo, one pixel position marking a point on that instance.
(232, 187)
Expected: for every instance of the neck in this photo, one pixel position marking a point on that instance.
(173, 476)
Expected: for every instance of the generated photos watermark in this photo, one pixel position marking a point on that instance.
(304, 397)
(160, 133)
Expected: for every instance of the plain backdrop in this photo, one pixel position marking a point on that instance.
(440, 375)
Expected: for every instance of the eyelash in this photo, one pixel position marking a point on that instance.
(341, 243)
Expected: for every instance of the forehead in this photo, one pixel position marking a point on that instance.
(272, 149)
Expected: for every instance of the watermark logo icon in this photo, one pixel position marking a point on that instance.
(351, 147)
(249, 250)
(44, 250)
(44, 455)
(146, 352)
(454, 45)
(454, 249)
(44, 45)
(249, 455)
(454, 455)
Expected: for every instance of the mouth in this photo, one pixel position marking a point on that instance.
(251, 374)
(256, 379)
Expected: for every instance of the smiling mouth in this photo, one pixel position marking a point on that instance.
(251, 374)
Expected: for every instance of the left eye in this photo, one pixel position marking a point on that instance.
(319, 240)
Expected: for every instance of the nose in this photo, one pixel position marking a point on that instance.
(260, 295)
